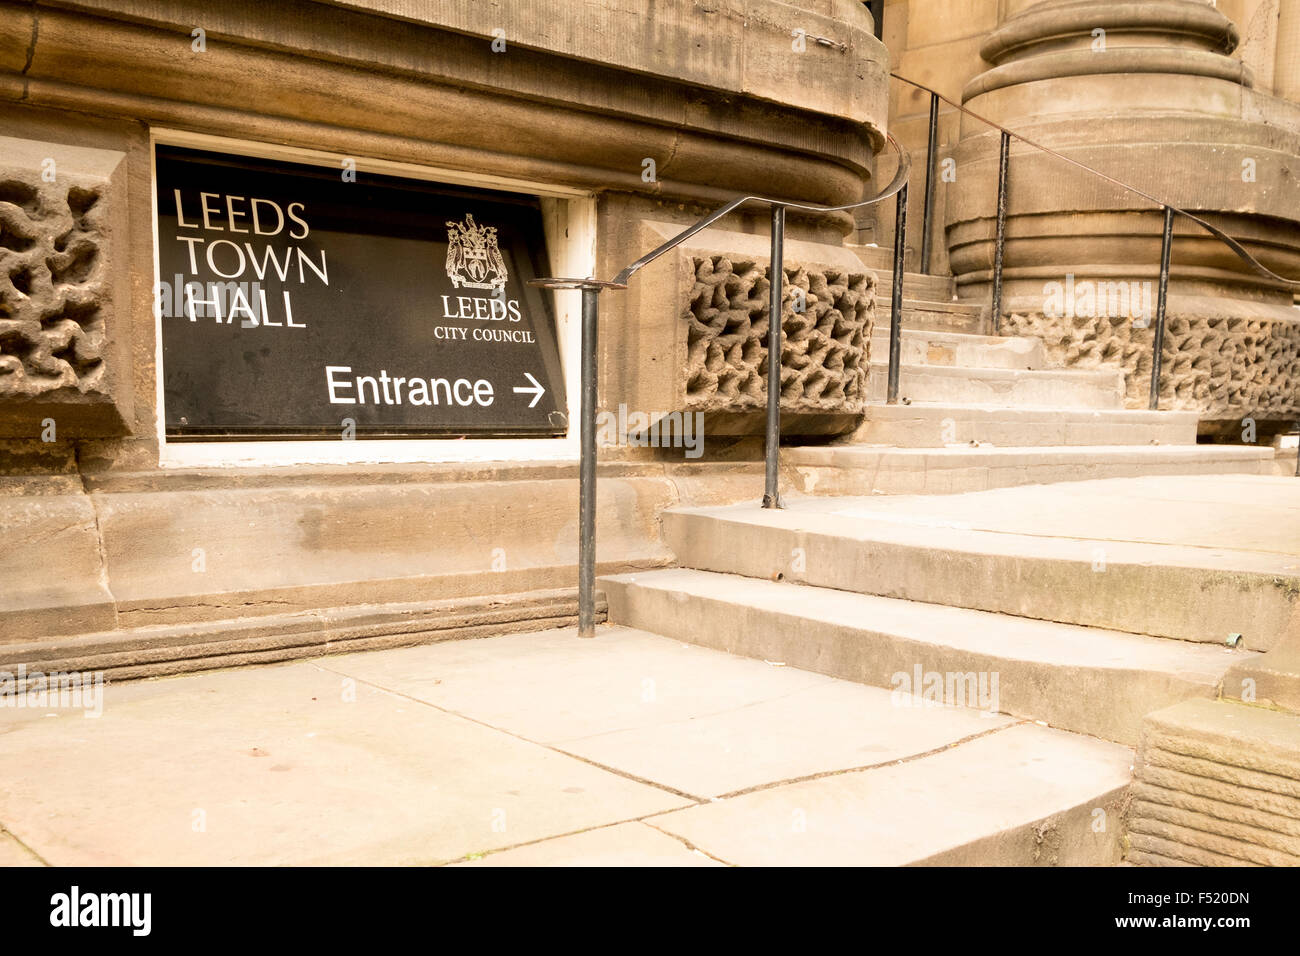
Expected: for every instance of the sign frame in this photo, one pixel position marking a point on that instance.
(570, 224)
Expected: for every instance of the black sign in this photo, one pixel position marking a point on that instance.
(301, 301)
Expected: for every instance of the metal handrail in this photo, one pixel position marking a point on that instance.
(898, 182)
(898, 187)
(1166, 248)
(591, 289)
(1214, 230)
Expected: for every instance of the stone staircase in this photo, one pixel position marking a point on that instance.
(1083, 607)
(980, 411)
(1083, 616)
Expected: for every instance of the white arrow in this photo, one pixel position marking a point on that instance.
(536, 391)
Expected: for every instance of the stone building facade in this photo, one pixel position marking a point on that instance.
(1193, 103)
(136, 547)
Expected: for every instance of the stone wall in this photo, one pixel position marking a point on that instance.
(161, 572)
(578, 101)
(937, 43)
(1223, 364)
(110, 560)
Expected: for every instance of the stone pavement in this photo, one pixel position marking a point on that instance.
(540, 748)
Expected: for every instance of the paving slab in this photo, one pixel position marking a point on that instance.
(288, 765)
(1018, 795)
(361, 759)
(822, 729)
(553, 687)
(13, 853)
(699, 721)
(627, 844)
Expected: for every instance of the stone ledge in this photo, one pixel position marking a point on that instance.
(117, 554)
(729, 45)
(1135, 60)
(323, 77)
(158, 651)
(1058, 20)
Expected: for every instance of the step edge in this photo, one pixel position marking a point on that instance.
(1209, 677)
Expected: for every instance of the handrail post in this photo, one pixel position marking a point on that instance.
(1004, 160)
(591, 289)
(896, 304)
(927, 217)
(776, 280)
(587, 469)
(1158, 340)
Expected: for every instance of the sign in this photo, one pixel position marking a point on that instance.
(301, 301)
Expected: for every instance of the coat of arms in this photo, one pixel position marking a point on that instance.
(473, 257)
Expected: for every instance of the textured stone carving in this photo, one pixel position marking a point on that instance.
(51, 274)
(826, 346)
(1219, 365)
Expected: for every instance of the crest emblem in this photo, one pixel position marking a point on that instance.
(473, 256)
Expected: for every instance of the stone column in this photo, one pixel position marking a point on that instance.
(1287, 69)
(1147, 93)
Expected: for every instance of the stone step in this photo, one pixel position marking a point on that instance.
(1216, 784)
(1087, 680)
(935, 316)
(1004, 387)
(1016, 796)
(1284, 462)
(934, 425)
(934, 347)
(1197, 558)
(917, 288)
(937, 288)
(875, 469)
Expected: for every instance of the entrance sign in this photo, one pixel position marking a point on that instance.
(301, 301)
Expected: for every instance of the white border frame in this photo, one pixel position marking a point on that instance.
(569, 219)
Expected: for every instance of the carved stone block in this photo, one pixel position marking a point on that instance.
(695, 333)
(826, 321)
(63, 314)
(1226, 367)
